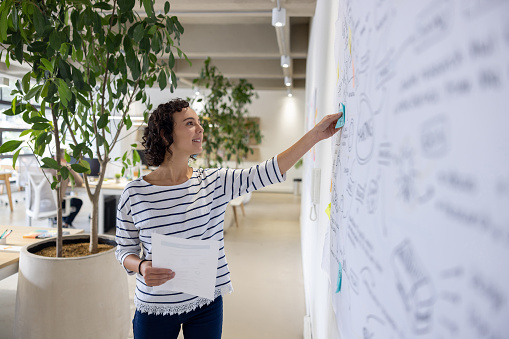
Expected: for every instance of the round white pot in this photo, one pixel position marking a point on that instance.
(85, 297)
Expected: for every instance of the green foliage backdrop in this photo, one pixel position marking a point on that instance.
(88, 60)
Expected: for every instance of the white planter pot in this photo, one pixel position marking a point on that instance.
(84, 297)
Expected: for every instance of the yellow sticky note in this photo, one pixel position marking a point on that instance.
(327, 210)
(350, 40)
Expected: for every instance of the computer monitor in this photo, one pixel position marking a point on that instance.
(94, 166)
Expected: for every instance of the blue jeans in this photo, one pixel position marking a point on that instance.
(203, 323)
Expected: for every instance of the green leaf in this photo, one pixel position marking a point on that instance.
(64, 69)
(136, 156)
(50, 163)
(64, 172)
(10, 145)
(38, 119)
(77, 78)
(54, 40)
(15, 158)
(171, 60)
(147, 4)
(13, 103)
(25, 82)
(103, 5)
(39, 21)
(166, 7)
(25, 132)
(82, 167)
(179, 26)
(162, 80)
(128, 122)
(64, 92)
(3, 26)
(83, 101)
(32, 92)
(126, 5)
(139, 32)
(14, 17)
(49, 66)
(103, 121)
(40, 126)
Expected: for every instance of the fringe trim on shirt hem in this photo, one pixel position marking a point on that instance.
(181, 308)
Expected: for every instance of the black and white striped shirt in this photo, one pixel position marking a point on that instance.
(192, 210)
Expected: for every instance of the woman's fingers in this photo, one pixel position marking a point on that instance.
(155, 276)
(327, 126)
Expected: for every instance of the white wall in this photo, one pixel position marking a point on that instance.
(281, 119)
(320, 85)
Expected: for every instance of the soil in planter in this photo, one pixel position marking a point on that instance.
(72, 250)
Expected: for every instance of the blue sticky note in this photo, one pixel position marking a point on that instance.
(340, 277)
(341, 121)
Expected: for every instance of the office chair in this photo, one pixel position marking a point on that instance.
(41, 200)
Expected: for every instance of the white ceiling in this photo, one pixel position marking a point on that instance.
(239, 37)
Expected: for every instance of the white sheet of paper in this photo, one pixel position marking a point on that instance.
(193, 261)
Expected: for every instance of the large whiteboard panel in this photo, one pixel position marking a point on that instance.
(419, 236)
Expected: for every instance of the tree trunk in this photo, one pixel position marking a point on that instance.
(94, 232)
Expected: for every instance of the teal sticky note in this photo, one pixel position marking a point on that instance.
(341, 121)
(340, 277)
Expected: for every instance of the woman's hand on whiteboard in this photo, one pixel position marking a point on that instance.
(155, 276)
(327, 126)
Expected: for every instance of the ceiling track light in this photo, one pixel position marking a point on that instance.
(278, 17)
(288, 81)
(285, 61)
(289, 92)
(4, 82)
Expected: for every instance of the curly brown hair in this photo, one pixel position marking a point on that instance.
(158, 135)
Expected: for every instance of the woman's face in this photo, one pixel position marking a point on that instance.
(187, 133)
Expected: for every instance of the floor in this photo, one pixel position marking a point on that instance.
(265, 261)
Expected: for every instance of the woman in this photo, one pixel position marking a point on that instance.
(180, 201)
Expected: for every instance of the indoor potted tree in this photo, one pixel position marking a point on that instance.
(88, 61)
(228, 130)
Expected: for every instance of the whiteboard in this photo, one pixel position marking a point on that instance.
(419, 230)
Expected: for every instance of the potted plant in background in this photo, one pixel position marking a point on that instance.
(88, 61)
(228, 130)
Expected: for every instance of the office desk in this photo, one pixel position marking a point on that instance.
(9, 261)
(5, 177)
(109, 187)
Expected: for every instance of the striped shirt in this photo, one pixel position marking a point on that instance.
(192, 210)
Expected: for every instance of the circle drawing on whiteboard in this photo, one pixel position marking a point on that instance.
(365, 132)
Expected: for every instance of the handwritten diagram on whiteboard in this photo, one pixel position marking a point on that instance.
(419, 237)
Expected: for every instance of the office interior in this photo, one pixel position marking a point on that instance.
(298, 296)
(274, 295)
